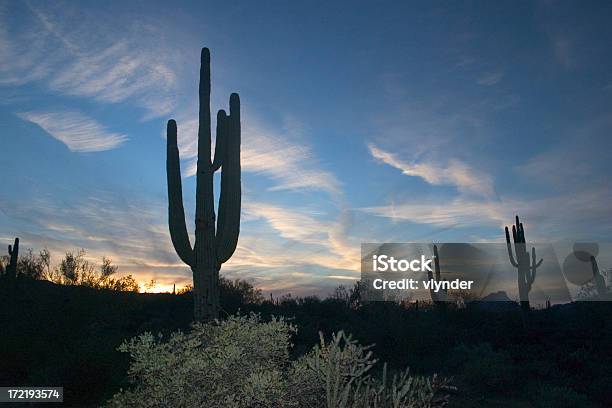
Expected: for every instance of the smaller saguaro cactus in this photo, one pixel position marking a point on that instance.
(439, 298)
(11, 269)
(525, 263)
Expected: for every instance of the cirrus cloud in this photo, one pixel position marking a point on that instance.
(77, 131)
(455, 173)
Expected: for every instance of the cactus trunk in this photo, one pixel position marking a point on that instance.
(214, 242)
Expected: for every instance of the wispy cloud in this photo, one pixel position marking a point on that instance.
(272, 153)
(293, 253)
(132, 233)
(291, 164)
(294, 250)
(116, 74)
(335, 250)
(144, 74)
(490, 78)
(455, 173)
(291, 224)
(85, 61)
(560, 201)
(77, 131)
(458, 212)
(550, 218)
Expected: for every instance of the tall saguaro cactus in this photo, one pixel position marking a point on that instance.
(526, 265)
(214, 242)
(11, 269)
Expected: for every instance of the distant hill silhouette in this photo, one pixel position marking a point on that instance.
(499, 296)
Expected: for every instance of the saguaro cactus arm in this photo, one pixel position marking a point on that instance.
(13, 250)
(176, 212)
(220, 140)
(14, 257)
(509, 246)
(228, 224)
(534, 264)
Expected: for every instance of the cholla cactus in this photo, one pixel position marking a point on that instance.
(526, 265)
(11, 269)
(338, 374)
(214, 243)
(439, 298)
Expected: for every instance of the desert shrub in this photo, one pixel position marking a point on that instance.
(338, 374)
(237, 293)
(485, 369)
(76, 270)
(550, 396)
(4, 261)
(244, 362)
(237, 362)
(33, 265)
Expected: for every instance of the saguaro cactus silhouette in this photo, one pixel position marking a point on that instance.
(214, 243)
(11, 269)
(526, 265)
(439, 298)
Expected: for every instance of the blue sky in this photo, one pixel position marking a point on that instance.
(362, 122)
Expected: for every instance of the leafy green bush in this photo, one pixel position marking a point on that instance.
(244, 362)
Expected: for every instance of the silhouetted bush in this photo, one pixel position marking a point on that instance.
(33, 266)
(75, 270)
(237, 293)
